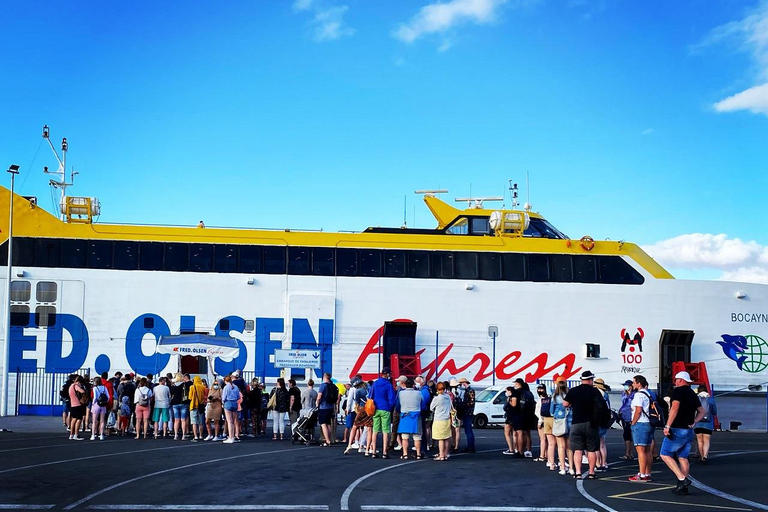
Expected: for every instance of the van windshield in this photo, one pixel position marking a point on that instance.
(486, 395)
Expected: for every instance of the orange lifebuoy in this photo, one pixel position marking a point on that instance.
(587, 243)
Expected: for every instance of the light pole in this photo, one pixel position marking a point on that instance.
(13, 170)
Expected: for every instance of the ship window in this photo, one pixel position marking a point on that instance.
(584, 269)
(201, 257)
(540, 228)
(19, 315)
(151, 256)
(614, 270)
(46, 291)
(176, 257)
(538, 267)
(149, 322)
(45, 316)
(513, 266)
(394, 263)
(126, 255)
(21, 291)
(249, 325)
(274, 260)
(418, 264)
(460, 227)
(48, 252)
(490, 266)
(370, 262)
(23, 251)
(74, 253)
(322, 261)
(225, 258)
(298, 261)
(99, 254)
(224, 325)
(442, 265)
(466, 265)
(480, 226)
(346, 262)
(560, 268)
(250, 259)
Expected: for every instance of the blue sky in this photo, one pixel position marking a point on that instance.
(644, 121)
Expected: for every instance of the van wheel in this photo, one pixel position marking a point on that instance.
(480, 421)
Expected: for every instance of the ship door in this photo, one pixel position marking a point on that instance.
(674, 346)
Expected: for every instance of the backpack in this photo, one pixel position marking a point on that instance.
(101, 399)
(705, 405)
(331, 393)
(602, 416)
(655, 412)
(64, 392)
(143, 399)
(528, 404)
(545, 405)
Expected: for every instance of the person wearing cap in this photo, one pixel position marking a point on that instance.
(625, 412)
(602, 455)
(684, 411)
(383, 396)
(394, 441)
(465, 409)
(584, 435)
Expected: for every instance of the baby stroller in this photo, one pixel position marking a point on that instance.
(304, 428)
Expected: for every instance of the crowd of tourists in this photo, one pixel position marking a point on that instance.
(407, 417)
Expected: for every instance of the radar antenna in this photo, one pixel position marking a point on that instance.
(477, 202)
(61, 172)
(513, 194)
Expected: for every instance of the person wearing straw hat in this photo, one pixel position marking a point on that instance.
(602, 455)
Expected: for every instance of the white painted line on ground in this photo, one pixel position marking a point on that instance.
(727, 496)
(166, 471)
(7, 506)
(209, 507)
(45, 447)
(477, 509)
(583, 492)
(90, 457)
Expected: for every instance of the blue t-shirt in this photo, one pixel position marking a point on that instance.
(323, 389)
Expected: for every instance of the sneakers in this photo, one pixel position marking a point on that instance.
(101, 437)
(398, 448)
(208, 438)
(528, 455)
(640, 478)
(681, 489)
(229, 441)
(93, 438)
(508, 452)
(562, 472)
(354, 446)
(77, 438)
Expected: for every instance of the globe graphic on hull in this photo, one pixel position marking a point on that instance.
(757, 354)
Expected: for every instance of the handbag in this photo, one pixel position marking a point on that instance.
(370, 407)
(560, 427)
(272, 401)
(455, 423)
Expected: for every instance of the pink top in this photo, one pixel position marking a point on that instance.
(74, 401)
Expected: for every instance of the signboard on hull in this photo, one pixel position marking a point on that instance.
(297, 359)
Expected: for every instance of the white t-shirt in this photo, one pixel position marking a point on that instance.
(641, 400)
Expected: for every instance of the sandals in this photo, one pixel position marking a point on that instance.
(627, 457)
(419, 456)
(591, 477)
(539, 459)
(404, 457)
(577, 477)
(324, 444)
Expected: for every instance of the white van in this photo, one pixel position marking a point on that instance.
(489, 406)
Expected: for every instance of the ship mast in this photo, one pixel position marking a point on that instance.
(61, 172)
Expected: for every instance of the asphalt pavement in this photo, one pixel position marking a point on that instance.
(40, 468)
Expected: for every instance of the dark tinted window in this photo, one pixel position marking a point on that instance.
(225, 258)
(99, 254)
(45, 316)
(513, 267)
(201, 257)
(23, 251)
(479, 226)
(418, 264)
(298, 260)
(74, 253)
(224, 325)
(370, 262)
(19, 315)
(346, 262)
(149, 322)
(614, 270)
(176, 257)
(322, 261)
(151, 256)
(394, 263)
(466, 265)
(584, 269)
(126, 255)
(274, 260)
(48, 252)
(538, 267)
(442, 265)
(250, 259)
(560, 270)
(490, 266)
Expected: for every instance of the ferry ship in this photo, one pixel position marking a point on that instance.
(489, 294)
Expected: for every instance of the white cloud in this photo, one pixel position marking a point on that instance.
(647, 131)
(328, 22)
(737, 259)
(439, 17)
(749, 34)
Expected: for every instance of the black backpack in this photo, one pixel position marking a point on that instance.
(655, 414)
(602, 413)
(331, 394)
(528, 404)
(101, 399)
(64, 392)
